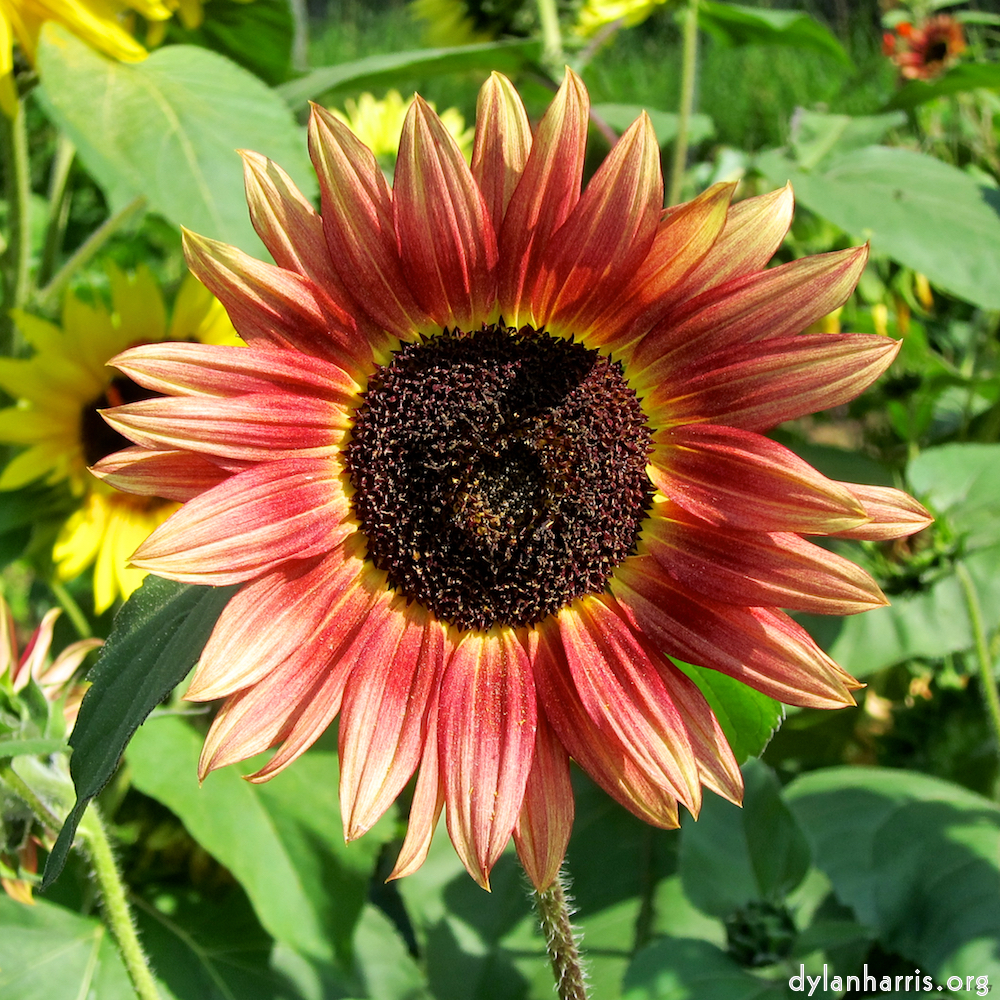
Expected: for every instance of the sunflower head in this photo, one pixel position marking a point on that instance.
(493, 457)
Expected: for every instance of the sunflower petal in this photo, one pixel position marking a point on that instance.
(269, 305)
(778, 302)
(739, 479)
(446, 239)
(546, 819)
(543, 199)
(249, 524)
(775, 380)
(172, 474)
(503, 142)
(383, 724)
(893, 513)
(598, 750)
(758, 646)
(607, 236)
(759, 568)
(486, 734)
(257, 427)
(358, 223)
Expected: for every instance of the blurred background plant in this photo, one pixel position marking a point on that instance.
(869, 836)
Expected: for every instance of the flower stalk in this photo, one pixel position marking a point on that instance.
(551, 35)
(987, 680)
(17, 192)
(689, 75)
(560, 941)
(59, 200)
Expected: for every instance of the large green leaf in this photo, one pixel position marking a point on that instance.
(734, 24)
(685, 969)
(257, 35)
(168, 128)
(282, 840)
(620, 116)
(732, 857)
(925, 214)
(961, 78)
(207, 949)
(51, 953)
(748, 718)
(914, 857)
(398, 67)
(157, 638)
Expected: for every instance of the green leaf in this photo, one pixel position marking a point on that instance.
(683, 969)
(818, 135)
(168, 128)
(207, 949)
(734, 24)
(50, 953)
(962, 482)
(732, 857)
(283, 840)
(919, 211)
(257, 35)
(383, 962)
(748, 718)
(620, 116)
(395, 68)
(914, 857)
(958, 80)
(156, 639)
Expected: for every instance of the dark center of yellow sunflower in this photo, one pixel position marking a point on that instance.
(98, 437)
(499, 475)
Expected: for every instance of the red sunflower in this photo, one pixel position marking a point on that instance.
(492, 456)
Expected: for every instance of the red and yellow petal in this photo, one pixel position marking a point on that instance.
(893, 513)
(172, 474)
(486, 739)
(547, 193)
(447, 245)
(730, 477)
(761, 647)
(250, 524)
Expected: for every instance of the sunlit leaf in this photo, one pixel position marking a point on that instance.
(168, 128)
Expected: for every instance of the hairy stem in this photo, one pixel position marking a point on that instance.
(689, 74)
(567, 966)
(17, 192)
(59, 198)
(987, 681)
(115, 905)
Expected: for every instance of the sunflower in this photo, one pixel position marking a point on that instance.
(379, 123)
(94, 21)
(58, 391)
(492, 457)
(926, 51)
(597, 14)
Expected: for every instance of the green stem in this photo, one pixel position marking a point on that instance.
(89, 247)
(72, 609)
(17, 190)
(689, 74)
(115, 905)
(58, 207)
(553, 916)
(551, 35)
(23, 791)
(986, 679)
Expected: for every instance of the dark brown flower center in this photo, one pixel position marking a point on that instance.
(98, 437)
(499, 474)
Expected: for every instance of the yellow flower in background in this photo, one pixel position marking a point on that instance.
(97, 22)
(449, 22)
(596, 14)
(379, 124)
(59, 392)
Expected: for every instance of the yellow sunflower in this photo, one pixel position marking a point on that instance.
(95, 21)
(379, 124)
(597, 14)
(59, 391)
